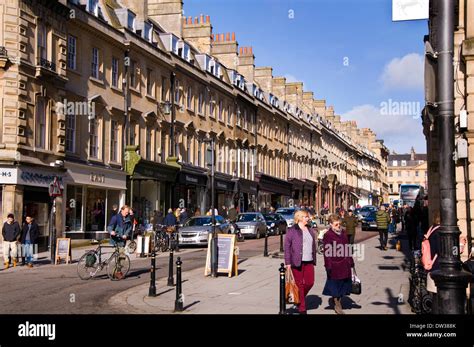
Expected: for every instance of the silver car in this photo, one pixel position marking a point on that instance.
(252, 224)
(196, 230)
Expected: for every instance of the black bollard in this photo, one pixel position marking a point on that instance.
(281, 242)
(282, 290)
(170, 272)
(142, 254)
(178, 304)
(152, 289)
(265, 248)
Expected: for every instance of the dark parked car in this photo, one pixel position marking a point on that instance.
(276, 224)
(369, 222)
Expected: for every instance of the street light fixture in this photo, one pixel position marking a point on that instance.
(214, 250)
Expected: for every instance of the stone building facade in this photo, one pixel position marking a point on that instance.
(119, 100)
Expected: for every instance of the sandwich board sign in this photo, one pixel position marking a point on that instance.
(410, 9)
(63, 250)
(226, 255)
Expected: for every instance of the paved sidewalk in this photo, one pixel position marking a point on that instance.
(384, 276)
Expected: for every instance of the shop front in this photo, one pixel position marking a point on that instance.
(225, 191)
(191, 190)
(297, 192)
(309, 192)
(150, 189)
(91, 193)
(272, 192)
(25, 191)
(246, 197)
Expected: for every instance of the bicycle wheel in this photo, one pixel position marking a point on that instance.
(88, 265)
(118, 266)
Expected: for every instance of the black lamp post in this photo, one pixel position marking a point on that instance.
(214, 250)
(451, 281)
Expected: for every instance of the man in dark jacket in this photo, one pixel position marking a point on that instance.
(383, 219)
(11, 236)
(350, 222)
(170, 219)
(120, 227)
(29, 238)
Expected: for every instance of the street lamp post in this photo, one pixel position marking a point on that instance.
(214, 250)
(451, 281)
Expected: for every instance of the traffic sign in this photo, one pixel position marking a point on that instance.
(55, 188)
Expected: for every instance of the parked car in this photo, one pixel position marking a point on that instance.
(289, 214)
(276, 224)
(369, 222)
(196, 230)
(364, 211)
(252, 224)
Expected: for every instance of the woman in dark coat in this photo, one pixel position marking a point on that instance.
(300, 255)
(338, 263)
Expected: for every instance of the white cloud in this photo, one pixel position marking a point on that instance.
(399, 131)
(404, 73)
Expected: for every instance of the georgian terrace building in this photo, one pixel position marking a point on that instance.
(118, 100)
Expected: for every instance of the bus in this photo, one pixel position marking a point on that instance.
(409, 193)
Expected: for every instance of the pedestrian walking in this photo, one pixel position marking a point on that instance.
(11, 236)
(383, 219)
(183, 217)
(338, 263)
(350, 223)
(232, 214)
(300, 255)
(29, 238)
(433, 238)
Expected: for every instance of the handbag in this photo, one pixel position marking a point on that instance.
(356, 284)
(291, 289)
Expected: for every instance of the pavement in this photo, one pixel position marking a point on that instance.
(384, 276)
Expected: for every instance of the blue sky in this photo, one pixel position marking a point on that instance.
(346, 51)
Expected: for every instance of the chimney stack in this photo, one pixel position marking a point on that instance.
(264, 77)
(199, 33)
(246, 65)
(168, 13)
(225, 50)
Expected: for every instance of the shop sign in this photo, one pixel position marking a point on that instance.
(37, 178)
(97, 178)
(8, 176)
(191, 179)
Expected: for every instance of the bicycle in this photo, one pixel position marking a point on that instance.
(91, 263)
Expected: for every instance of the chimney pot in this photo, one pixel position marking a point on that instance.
(212, 37)
(208, 19)
(227, 37)
(201, 21)
(233, 36)
(222, 37)
(196, 20)
(251, 50)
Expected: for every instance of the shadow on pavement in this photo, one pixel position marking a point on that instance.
(349, 304)
(192, 304)
(313, 302)
(393, 302)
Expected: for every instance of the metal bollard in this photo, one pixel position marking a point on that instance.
(281, 242)
(152, 289)
(142, 254)
(178, 304)
(170, 272)
(265, 248)
(282, 289)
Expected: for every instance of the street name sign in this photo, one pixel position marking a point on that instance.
(410, 9)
